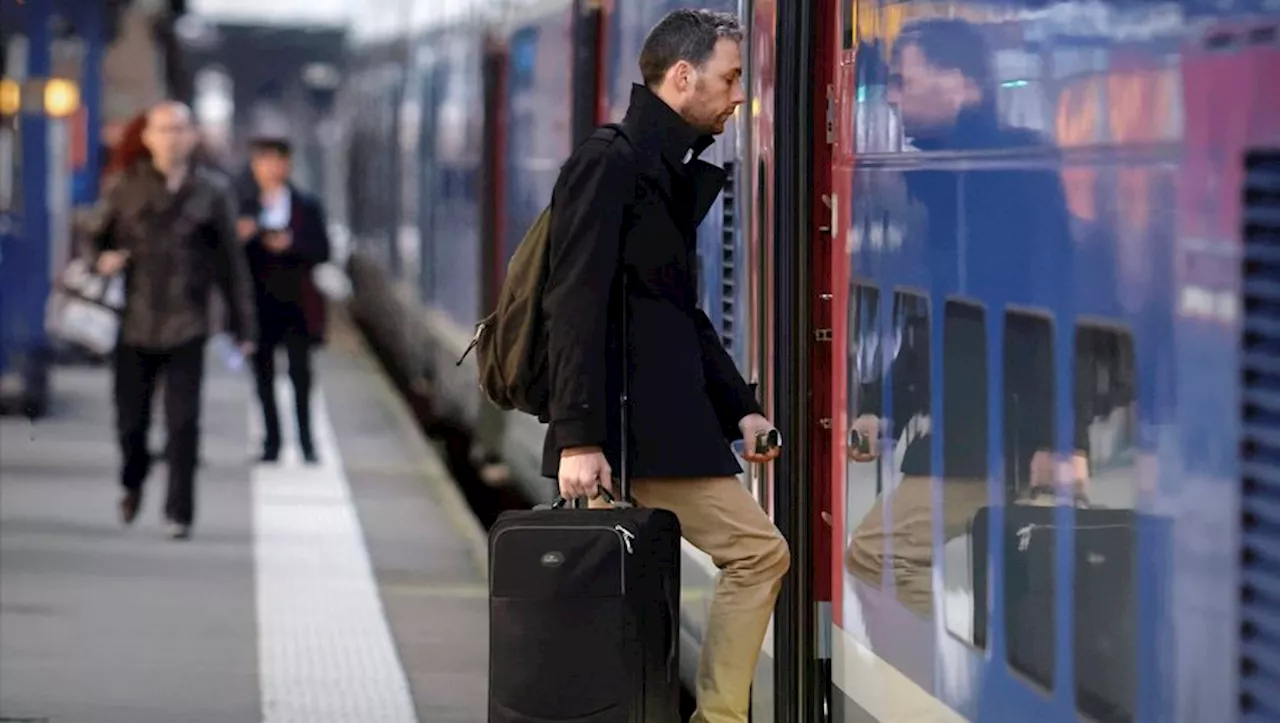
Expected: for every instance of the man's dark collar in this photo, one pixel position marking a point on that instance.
(656, 127)
(974, 127)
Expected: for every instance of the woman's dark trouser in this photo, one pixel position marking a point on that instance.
(137, 371)
(297, 347)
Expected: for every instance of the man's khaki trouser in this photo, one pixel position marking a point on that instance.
(718, 516)
(910, 536)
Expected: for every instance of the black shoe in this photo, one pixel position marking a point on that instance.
(129, 505)
(309, 453)
(270, 453)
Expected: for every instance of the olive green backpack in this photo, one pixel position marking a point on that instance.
(511, 343)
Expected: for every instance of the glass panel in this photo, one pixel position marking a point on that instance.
(964, 465)
(1102, 604)
(1029, 469)
(864, 557)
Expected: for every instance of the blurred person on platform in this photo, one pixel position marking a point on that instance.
(169, 227)
(285, 239)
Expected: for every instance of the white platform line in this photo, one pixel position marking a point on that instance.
(325, 653)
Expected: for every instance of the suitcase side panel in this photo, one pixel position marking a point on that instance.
(558, 646)
(584, 608)
(659, 618)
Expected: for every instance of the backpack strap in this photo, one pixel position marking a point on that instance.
(617, 128)
(619, 131)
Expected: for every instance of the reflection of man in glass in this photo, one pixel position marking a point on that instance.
(943, 88)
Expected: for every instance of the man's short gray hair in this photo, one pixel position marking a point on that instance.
(688, 35)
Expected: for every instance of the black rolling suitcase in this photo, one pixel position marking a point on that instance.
(584, 612)
(1105, 636)
(584, 616)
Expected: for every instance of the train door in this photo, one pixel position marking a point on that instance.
(803, 352)
(826, 274)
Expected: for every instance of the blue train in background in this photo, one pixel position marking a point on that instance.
(1062, 317)
(59, 104)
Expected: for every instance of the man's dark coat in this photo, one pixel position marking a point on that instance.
(637, 197)
(287, 297)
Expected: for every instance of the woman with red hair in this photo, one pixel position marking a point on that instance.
(129, 149)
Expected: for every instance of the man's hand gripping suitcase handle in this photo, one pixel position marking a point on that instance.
(560, 501)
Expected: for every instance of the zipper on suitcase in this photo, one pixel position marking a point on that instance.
(625, 536)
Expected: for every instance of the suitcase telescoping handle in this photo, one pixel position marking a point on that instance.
(624, 400)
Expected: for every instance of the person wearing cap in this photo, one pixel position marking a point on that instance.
(285, 239)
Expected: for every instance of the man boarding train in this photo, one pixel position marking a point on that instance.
(687, 398)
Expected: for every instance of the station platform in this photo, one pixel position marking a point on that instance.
(348, 591)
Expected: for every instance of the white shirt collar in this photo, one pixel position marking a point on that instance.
(277, 211)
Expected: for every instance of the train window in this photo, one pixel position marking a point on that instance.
(910, 505)
(1106, 490)
(864, 556)
(1030, 468)
(964, 467)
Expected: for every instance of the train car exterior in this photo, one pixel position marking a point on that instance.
(1041, 302)
(1029, 293)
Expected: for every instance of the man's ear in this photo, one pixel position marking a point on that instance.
(680, 76)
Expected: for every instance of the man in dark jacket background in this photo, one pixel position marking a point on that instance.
(630, 207)
(168, 225)
(286, 240)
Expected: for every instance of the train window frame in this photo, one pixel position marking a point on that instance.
(973, 642)
(1048, 691)
(861, 288)
(1127, 337)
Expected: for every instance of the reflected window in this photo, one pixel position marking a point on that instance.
(895, 531)
(911, 501)
(865, 555)
(964, 467)
(1103, 593)
(1030, 466)
(1020, 92)
(875, 122)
